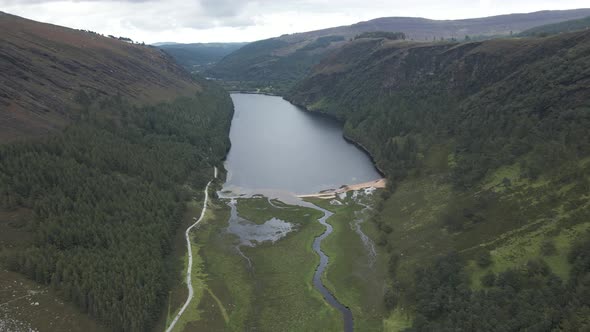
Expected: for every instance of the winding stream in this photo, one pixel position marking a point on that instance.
(317, 277)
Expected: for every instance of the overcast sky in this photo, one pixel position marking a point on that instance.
(242, 20)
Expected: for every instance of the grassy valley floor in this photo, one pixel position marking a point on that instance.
(275, 292)
(269, 288)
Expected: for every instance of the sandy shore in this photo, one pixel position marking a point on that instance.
(332, 193)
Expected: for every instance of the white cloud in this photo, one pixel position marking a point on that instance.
(245, 20)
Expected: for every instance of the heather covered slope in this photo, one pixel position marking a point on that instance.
(277, 63)
(43, 66)
(486, 148)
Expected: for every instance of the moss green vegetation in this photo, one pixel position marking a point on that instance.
(485, 147)
(107, 196)
(349, 275)
(275, 293)
(259, 210)
(199, 278)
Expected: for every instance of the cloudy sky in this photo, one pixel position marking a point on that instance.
(244, 20)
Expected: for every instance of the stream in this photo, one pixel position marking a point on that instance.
(317, 277)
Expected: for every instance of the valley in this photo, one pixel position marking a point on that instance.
(397, 174)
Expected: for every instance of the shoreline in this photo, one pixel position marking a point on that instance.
(333, 193)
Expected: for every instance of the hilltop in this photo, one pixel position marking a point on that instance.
(280, 62)
(43, 67)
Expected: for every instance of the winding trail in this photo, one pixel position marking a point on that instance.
(189, 282)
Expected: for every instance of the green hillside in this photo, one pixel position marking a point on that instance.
(486, 148)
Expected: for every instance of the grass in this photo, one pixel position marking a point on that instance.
(179, 293)
(398, 320)
(349, 276)
(276, 294)
(258, 210)
(520, 249)
(512, 220)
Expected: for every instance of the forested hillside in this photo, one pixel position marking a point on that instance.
(486, 148)
(102, 144)
(103, 200)
(275, 64)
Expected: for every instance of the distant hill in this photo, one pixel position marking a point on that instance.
(196, 57)
(551, 29)
(283, 60)
(43, 67)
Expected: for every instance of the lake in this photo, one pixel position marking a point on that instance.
(278, 146)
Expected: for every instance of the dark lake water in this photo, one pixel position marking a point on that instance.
(277, 146)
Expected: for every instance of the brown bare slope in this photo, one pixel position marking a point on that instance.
(43, 67)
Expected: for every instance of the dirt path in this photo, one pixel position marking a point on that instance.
(189, 282)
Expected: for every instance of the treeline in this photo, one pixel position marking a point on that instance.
(108, 194)
(529, 298)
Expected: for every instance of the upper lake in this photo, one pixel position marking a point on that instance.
(278, 146)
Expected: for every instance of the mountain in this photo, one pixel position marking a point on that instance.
(551, 29)
(196, 57)
(43, 67)
(104, 147)
(281, 61)
(486, 148)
